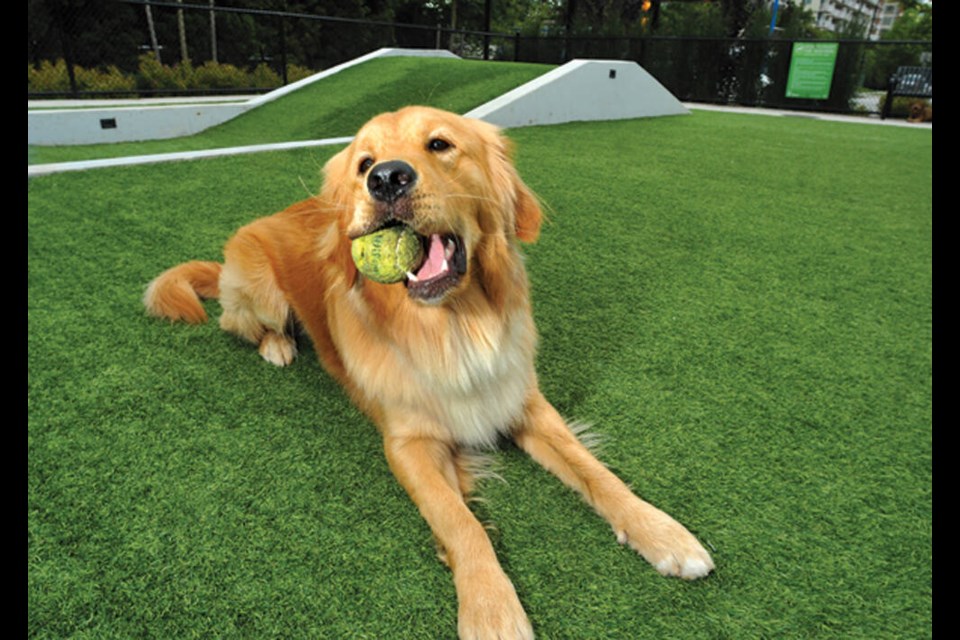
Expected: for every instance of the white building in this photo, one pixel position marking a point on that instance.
(889, 13)
(834, 15)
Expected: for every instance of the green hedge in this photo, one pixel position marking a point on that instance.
(901, 105)
(151, 76)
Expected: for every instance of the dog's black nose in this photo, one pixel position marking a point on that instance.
(389, 181)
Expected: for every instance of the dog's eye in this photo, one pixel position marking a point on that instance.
(365, 164)
(438, 144)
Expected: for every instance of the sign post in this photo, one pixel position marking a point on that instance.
(811, 70)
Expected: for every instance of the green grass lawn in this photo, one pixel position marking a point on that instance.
(742, 306)
(335, 106)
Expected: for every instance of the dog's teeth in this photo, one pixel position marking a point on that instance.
(446, 267)
(411, 277)
(450, 249)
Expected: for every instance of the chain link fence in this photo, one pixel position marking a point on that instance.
(140, 48)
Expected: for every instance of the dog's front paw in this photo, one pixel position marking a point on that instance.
(490, 609)
(278, 349)
(664, 543)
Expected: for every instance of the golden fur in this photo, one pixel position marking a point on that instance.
(920, 111)
(442, 365)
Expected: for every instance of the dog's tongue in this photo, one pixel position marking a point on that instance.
(436, 261)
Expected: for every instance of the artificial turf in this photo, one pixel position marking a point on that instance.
(742, 305)
(335, 106)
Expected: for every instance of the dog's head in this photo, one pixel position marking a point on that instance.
(917, 111)
(448, 177)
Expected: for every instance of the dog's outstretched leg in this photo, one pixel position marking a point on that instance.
(488, 604)
(663, 541)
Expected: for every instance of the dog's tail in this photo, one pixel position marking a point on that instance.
(176, 293)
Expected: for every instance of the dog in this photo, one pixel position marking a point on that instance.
(442, 362)
(920, 112)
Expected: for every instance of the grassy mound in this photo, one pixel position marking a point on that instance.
(335, 106)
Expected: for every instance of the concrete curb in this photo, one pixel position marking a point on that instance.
(83, 165)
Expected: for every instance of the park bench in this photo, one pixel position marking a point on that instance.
(913, 82)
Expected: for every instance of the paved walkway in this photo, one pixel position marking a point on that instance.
(836, 117)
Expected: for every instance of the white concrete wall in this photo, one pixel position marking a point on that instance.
(132, 123)
(582, 90)
(86, 126)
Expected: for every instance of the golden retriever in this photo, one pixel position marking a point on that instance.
(920, 111)
(443, 362)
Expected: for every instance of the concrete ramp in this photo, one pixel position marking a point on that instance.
(582, 90)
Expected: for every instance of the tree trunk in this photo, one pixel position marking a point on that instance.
(153, 34)
(184, 56)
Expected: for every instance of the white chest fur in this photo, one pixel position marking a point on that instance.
(456, 377)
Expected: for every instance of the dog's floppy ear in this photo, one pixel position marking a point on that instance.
(336, 184)
(527, 215)
(337, 194)
(516, 216)
(528, 212)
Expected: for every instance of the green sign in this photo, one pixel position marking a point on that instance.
(811, 69)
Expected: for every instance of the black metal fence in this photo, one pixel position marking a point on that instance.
(96, 48)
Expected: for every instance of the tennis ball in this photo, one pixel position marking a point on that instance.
(388, 254)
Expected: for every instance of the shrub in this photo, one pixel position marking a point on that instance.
(213, 75)
(296, 72)
(48, 77)
(153, 75)
(263, 77)
(109, 79)
(52, 77)
(901, 105)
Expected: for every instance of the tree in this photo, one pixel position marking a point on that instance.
(691, 19)
(603, 17)
(917, 5)
(916, 23)
(732, 19)
(738, 15)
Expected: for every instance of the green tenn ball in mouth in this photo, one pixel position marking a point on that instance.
(387, 255)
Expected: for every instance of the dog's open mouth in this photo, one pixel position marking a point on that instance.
(444, 263)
